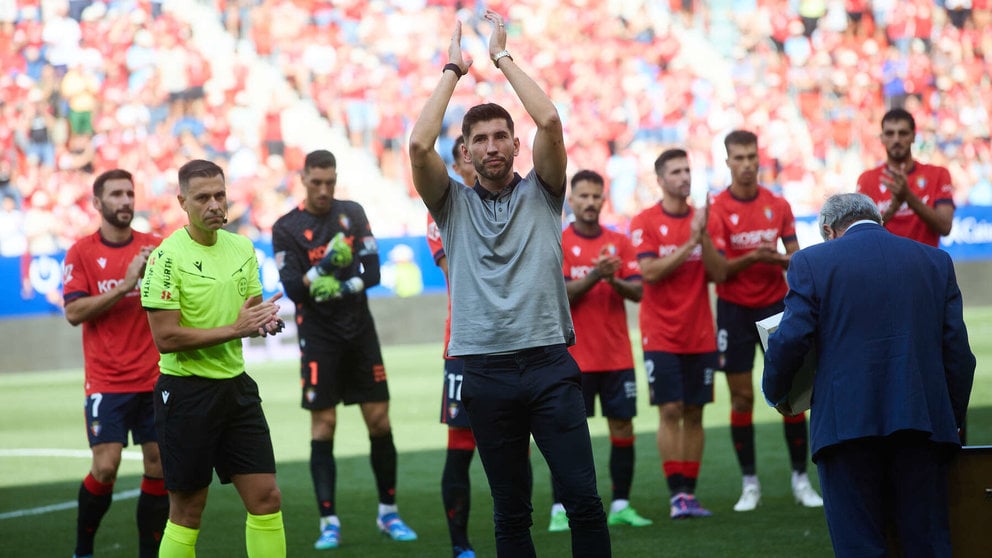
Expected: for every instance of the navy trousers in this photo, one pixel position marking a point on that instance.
(871, 485)
(534, 392)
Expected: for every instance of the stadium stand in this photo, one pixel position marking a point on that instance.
(255, 84)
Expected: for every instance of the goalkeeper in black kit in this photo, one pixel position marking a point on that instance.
(327, 258)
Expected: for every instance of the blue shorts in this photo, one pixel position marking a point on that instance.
(617, 392)
(110, 416)
(737, 335)
(674, 378)
(452, 410)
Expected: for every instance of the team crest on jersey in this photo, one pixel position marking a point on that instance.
(664, 230)
(102, 262)
(96, 428)
(576, 250)
(308, 234)
(310, 394)
(344, 221)
(452, 410)
(921, 182)
(734, 218)
(609, 250)
(768, 213)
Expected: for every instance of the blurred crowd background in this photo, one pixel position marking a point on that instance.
(254, 85)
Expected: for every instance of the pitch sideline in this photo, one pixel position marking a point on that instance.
(54, 452)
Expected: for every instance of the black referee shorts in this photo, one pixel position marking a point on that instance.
(207, 425)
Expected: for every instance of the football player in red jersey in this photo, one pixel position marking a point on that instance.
(677, 260)
(100, 287)
(916, 200)
(600, 274)
(746, 223)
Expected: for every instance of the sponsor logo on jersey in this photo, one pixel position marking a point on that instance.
(752, 239)
(580, 271)
(67, 274)
(166, 295)
(107, 285)
(198, 265)
(243, 286)
(165, 396)
(280, 259)
(379, 373)
(102, 262)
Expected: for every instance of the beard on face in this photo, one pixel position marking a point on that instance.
(120, 219)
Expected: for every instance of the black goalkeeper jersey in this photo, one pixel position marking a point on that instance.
(299, 240)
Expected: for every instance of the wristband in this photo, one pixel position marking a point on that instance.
(454, 68)
(500, 55)
(313, 273)
(353, 285)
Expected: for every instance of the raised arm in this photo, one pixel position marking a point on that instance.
(430, 176)
(549, 142)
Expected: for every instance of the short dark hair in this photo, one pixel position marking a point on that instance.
(456, 150)
(321, 159)
(197, 168)
(666, 156)
(589, 175)
(113, 174)
(897, 114)
(740, 137)
(483, 113)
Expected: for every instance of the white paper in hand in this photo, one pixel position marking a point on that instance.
(801, 394)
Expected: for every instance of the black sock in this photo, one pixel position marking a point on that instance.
(798, 442)
(152, 513)
(456, 495)
(92, 508)
(622, 469)
(324, 472)
(383, 458)
(743, 438)
(676, 483)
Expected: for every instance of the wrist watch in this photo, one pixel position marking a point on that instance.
(501, 54)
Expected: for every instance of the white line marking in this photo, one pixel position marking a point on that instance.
(127, 494)
(55, 452)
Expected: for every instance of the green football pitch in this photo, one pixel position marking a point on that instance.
(43, 457)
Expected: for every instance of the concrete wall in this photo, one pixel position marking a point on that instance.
(49, 342)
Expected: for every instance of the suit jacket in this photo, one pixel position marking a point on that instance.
(885, 315)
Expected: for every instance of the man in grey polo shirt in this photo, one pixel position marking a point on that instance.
(510, 319)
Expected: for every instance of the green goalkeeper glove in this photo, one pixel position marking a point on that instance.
(337, 255)
(324, 288)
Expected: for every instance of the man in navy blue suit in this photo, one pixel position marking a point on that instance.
(894, 374)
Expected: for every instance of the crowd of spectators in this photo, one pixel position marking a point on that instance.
(87, 86)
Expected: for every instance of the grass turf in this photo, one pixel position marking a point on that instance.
(43, 410)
